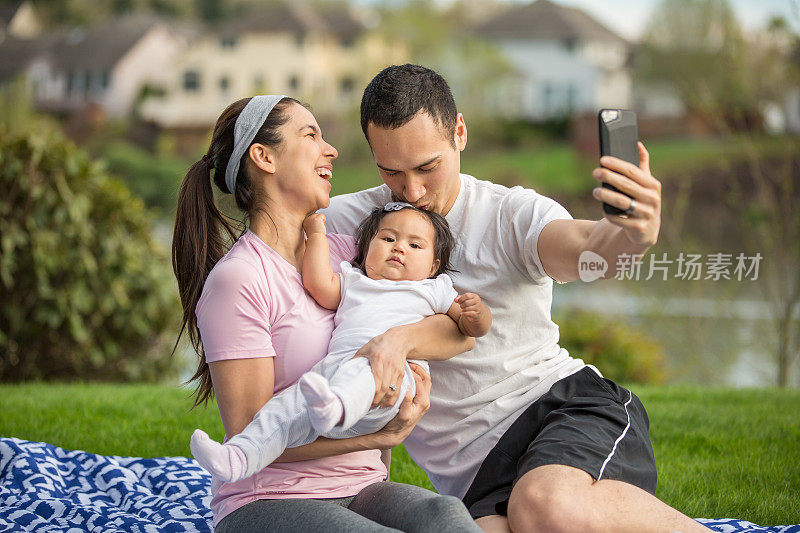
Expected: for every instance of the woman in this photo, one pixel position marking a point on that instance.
(261, 331)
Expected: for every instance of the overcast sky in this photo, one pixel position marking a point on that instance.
(630, 17)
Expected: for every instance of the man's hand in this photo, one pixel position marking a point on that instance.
(642, 225)
(411, 410)
(387, 357)
(475, 318)
(314, 223)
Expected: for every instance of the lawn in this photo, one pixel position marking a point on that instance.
(720, 452)
(556, 168)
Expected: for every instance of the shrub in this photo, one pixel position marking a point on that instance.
(85, 290)
(621, 352)
(154, 179)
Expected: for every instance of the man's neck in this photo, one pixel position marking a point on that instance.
(452, 201)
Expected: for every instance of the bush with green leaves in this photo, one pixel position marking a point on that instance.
(86, 291)
(620, 351)
(154, 179)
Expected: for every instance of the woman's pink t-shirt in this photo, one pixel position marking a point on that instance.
(254, 305)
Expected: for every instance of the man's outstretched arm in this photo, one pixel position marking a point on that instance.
(561, 242)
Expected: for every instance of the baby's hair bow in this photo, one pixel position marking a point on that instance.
(396, 206)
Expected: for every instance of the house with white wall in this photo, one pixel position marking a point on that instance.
(322, 56)
(107, 65)
(565, 62)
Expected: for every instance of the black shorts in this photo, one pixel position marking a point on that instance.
(583, 421)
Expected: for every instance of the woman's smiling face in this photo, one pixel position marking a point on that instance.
(303, 163)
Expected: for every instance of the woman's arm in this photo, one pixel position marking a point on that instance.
(243, 386)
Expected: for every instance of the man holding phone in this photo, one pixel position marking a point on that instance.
(531, 438)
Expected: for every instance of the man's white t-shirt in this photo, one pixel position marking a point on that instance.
(477, 395)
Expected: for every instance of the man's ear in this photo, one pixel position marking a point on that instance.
(460, 135)
(263, 157)
(436, 264)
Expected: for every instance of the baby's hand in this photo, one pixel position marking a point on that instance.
(470, 306)
(314, 223)
(475, 316)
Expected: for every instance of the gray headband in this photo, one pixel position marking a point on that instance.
(247, 125)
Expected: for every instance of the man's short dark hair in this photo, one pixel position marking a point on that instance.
(399, 92)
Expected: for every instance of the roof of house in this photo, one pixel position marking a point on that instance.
(342, 22)
(16, 54)
(100, 47)
(96, 48)
(8, 10)
(298, 18)
(544, 19)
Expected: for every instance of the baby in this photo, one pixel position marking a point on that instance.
(397, 278)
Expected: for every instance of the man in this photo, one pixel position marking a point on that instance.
(529, 437)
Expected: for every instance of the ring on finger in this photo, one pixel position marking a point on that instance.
(631, 207)
(393, 388)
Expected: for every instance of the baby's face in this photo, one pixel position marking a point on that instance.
(402, 249)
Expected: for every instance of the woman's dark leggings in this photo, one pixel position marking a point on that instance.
(381, 507)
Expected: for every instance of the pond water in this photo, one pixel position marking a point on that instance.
(708, 336)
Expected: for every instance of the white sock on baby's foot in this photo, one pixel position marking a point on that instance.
(324, 408)
(226, 461)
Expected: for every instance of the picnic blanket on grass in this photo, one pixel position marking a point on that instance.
(45, 488)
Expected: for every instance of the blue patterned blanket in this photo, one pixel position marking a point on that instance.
(45, 488)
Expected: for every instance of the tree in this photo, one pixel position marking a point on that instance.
(697, 48)
(86, 291)
(441, 39)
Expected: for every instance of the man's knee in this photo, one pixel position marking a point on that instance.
(551, 503)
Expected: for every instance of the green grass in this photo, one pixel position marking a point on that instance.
(720, 452)
(558, 169)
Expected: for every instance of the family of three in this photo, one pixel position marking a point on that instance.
(332, 325)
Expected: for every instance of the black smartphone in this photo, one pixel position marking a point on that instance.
(619, 137)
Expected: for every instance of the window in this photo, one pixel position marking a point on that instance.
(294, 83)
(224, 84)
(548, 98)
(347, 85)
(77, 83)
(228, 41)
(572, 97)
(102, 81)
(259, 85)
(191, 81)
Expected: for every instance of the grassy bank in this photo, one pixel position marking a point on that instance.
(720, 452)
(556, 168)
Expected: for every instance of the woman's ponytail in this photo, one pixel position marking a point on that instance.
(198, 243)
(203, 232)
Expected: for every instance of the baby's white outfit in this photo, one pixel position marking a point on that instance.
(367, 309)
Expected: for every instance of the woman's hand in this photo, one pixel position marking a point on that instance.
(387, 357)
(411, 410)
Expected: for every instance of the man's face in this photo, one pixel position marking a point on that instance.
(418, 161)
